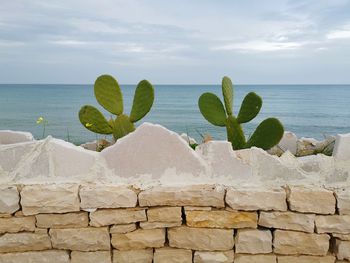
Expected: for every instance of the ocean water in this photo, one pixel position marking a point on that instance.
(307, 110)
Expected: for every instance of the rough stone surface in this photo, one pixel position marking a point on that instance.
(152, 225)
(342, 249)
(253, 241)
(47, 256)
(106, 217)
(37, 199)
(200, 195)
(164, 214)
(255, 258)
(289, 142)
(133, 256)
(221, 219)
(293, 243)
(91, 257)
(69, 220)
(139, 239)
(306, 259)
(288, 221)
(11, 137)
(121, 229)
(343, 202)
(307, 200)
(201, 238)
(333, 224)
(341, 236)
(172, 255)
(81, 239)
(104, 196)
(213, 257)
(9, 199)
(257, 199)
(17, 224)
(21, 242)
(341, 149)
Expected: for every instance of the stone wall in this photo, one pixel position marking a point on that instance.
(203, 223)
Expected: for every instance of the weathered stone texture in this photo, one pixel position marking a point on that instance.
(105, 217)
(213, 257)
(333, 224)
(201, 238)
(253, 241)
(133, 256)
(69, 220)
(91, 257)
(47, 256)
(343, 202)
(172, 255)
(9, 199)
(21, 242)
(122, 228)
(17, 224)
(152, 225)
(164, 214)
(345, 237)
(342, 249)
(255, 258)
(306, 259)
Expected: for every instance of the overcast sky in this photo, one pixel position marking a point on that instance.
(175, 42)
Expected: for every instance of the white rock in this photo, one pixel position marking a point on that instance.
(289, 142)
(343, 202)
(342, 147)
(11, 137)
(342, 249)
(9, 199)
(153, 150)
(188, 139)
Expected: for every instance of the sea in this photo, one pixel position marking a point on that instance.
(307, 110)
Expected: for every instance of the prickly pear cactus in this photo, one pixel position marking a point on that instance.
(267, 134)
(109, 96)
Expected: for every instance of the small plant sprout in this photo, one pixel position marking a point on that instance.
(43, 122)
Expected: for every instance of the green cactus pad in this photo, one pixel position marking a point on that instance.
(250, 107)
(235, 133)
(227, 92)
(122, 126)
(212, 109)
(143, 101)
(267, 134)
(108, 94)
(93, 120)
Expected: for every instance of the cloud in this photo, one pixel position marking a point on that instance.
(343, 33)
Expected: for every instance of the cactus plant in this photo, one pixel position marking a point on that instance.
(267, 134)
(109, 96)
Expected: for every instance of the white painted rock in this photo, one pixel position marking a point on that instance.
(342, 147)
(11, 137)
(153, 150)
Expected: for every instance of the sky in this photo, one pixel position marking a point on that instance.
(175, 42)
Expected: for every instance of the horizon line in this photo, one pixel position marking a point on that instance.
(191, 84)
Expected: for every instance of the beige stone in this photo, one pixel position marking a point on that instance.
(41, 231)
(253, 241)
(122, 228)
(213, 257)
(9, 199)
(69, 220)
(201, 238)
(333, 224)
(172, 255)
(255, 258)
(152, 225)
(306, 259)
(221, 219)
(341, 236)
(36, 199)
(139, 239)
(21, 242)
(257, 199)
(343, 202)
(293, 243)
(133, 256)
(81, 239)
(47, 256)
(307, 200)
(198, 195)
(105, 196)
(342, 250)
(195, 208)
(288, 221)
(164, 214)
(91, 257)
(17, 224)
(106, 217)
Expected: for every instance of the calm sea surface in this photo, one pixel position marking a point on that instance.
(307, 110)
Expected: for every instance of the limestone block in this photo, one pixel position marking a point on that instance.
(91, 257)
(139, 239)
(47, 256)
(306, 259)
(257, 199)
(294, 243)
(9, 199)
(21, 242)
(255, 258)
(69, 220)
(121, 229)
(11, 137)
(195, 208)
(17, 224)
(253, 241)
(221, 219)
(152, 225)
(141, 153)
(201, 238)
(341, 236)
(342, 250)
(106, 196)
(343, 202)
(37, 199)
(342, 147)
(198, 195)
(333, 224)
(288, 221)
(213, 257)
(307, 200)
(106, 217)
(164, 214)
(172, 255)
(133, 256)
(81, 239)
